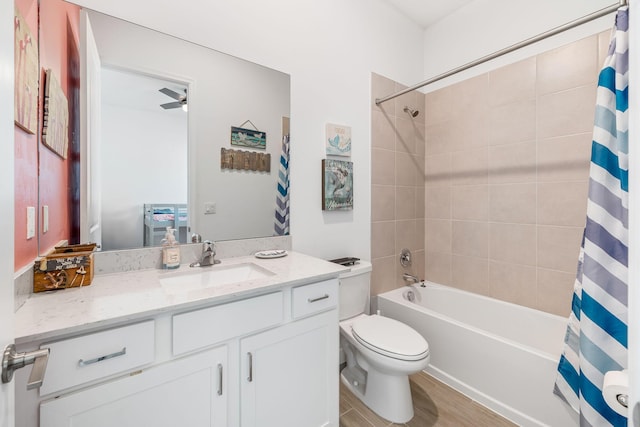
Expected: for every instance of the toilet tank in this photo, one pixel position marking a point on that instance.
(354, 290)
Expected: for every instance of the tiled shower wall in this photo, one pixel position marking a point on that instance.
(397, 185)
(506, 172)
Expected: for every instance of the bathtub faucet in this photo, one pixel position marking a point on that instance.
(410, 279)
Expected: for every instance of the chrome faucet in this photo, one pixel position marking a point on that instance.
(410, 279)
(208, 256)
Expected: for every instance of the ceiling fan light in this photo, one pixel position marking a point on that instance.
(185, 107)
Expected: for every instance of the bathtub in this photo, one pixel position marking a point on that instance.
(501, 355)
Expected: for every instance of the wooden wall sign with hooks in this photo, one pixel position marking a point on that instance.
(245, 160)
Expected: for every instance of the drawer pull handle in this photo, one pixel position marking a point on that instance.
(325, 296)
(219, 379)
(250, 377)
(101, 358)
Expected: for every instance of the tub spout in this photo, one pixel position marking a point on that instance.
(410, 279)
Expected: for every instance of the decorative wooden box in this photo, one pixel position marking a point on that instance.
(64, 267)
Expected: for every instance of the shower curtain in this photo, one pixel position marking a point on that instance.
(596, 338)
(281, 226)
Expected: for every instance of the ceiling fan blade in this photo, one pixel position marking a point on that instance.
(170, 105)
(172, 94)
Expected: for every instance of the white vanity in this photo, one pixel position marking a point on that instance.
(138, 348)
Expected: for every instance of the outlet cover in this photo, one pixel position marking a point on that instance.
(45, 218)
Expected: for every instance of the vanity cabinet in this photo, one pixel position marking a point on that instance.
(264, 361)
(188, 391)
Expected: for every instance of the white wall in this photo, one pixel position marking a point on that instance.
(143, 160)
(329, 48)
(483, 27)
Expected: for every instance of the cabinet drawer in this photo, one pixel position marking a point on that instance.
(310, 299)
(201, 328)
(102, 354)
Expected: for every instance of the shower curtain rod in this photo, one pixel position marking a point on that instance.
(587, 18)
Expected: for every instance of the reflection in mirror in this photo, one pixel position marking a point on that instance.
(148, 165)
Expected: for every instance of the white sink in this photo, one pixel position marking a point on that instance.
(213, 276)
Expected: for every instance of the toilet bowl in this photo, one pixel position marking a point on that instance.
(381, 353)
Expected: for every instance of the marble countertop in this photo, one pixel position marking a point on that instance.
(122, 297)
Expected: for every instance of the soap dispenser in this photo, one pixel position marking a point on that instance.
(170, 250)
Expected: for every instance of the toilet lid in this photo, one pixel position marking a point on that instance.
(390, 338)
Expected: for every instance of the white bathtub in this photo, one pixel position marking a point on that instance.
(501, 355)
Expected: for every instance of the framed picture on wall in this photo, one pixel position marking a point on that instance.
(337, 185)
(248, 138)
(338, 140)
(55, 126)
(25, 105)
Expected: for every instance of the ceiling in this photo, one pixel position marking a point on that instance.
(426, 12)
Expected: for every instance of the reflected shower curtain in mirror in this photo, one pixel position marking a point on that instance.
(281, 226)
(596, 338)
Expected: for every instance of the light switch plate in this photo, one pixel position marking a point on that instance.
(45, 218)
(31, 222)
(209, 208)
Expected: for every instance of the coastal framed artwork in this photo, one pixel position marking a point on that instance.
(337, 185)
(338, 140)
(55, 125)
(248, 138)
(25, 105)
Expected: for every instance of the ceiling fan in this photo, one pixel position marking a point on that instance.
(181, 99)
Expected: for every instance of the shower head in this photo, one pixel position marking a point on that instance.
(412, 113)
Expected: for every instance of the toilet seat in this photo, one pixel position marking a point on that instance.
(390, 338)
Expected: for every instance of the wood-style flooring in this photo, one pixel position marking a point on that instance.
(434, 404)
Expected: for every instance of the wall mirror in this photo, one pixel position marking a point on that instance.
(166, 163)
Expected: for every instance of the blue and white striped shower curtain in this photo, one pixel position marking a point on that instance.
(281, 225)
(596, 339)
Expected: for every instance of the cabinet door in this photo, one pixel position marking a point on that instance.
(289, 375)
(190, 391)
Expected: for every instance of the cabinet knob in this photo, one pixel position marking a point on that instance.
(12, 360)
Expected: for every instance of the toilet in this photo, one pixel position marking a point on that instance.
(380, 352)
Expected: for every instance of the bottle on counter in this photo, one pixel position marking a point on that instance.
(170, 250)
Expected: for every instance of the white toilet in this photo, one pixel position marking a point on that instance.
(380, 352)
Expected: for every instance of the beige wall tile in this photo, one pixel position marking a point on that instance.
(438, 267)
(566, 113)
(470, 167)
(470, 202)
(383, 239)
(471, 95)
(382, 275)
(438, 235)
(421, 133)
(438, 202)
(383, 167)
(409, 99)
(565, 158)
(569, 66)
(469, 131)
(383, 203)
(438, 169)
(418, 264)
(604, 39)
(514, 82)
(511, 123)
(513, 283)
(512, 163)
(514, 203)
(512, 243)
(420, 234)
(470, 238)
(405, 135)
(555, 291)
(470, 274)
(559, 247)
(420, 164)
(406, 236)
(383, 134)
(405, 203)
(406, 169)
(439, 137)
(420, 202)
(381, 87)
(562, 203)
(440, 106)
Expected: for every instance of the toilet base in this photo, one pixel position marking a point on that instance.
(387, 395)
